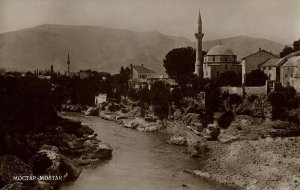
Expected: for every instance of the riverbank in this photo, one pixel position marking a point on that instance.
(46, 159)
(251, 153)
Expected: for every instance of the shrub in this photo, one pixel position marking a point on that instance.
(226, 119)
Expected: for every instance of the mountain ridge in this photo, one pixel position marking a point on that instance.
(103, 49)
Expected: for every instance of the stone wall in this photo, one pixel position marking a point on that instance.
(247, 90)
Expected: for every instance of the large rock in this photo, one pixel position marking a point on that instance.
(191, 118)
(138, 112)
(46, 161)
(75, 127)
(103, 151)
(178, 140)
(150, 118)
(106, 115)
(135, 123)
(70, 141)
(69, 166)
(92, 111)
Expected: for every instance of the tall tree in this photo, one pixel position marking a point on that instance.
(179, 64)
(160, 100)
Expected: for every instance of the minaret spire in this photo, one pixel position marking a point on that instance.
(199, 60)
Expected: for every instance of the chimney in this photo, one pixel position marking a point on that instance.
(259, 49)
(142, 65)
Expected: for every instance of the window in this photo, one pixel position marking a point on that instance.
(225, 65)
(217, 73)
(225, 60)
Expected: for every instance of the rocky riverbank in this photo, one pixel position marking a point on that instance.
(45, 160)
(250, 152)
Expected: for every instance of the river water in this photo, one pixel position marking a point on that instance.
(140, 161)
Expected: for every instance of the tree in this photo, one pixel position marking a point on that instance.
(229, 78)
(179, 64)
(160, 100)
(283, 99)
(120, 81)
(287, 49)
(256, 78)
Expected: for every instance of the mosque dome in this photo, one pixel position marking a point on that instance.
(220, 50)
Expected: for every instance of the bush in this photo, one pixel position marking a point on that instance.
(27, 103)
(226, 119)
(282, 100)
(256, 78)
(229, 78)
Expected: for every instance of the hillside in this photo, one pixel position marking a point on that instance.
(102, 49)
(244, 45)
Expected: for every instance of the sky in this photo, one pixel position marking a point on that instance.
(277, 20)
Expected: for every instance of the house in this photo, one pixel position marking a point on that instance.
(139, 75)
(252, 61)
(290, 70)
(271, 68)
(100, 98)
(158, 77)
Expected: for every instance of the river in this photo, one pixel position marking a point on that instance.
(141, 161)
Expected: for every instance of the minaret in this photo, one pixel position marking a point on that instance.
(199, 60)
(68, 72)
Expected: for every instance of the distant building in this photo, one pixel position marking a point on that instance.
(140, 72)
(252, 61)
(139, 75)
(164, 78)
(220, 59)
(100, 98)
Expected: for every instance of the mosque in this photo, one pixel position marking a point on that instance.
(219, 59)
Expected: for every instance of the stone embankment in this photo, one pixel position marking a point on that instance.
(61, 153)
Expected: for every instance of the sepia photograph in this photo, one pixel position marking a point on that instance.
(149, 95)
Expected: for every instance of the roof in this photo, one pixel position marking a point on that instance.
(158, 76)
(141, 69)
(220, 50)
(171, 82)
(273, 62)
(296, 53)
(292, 62)
(260, 51)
